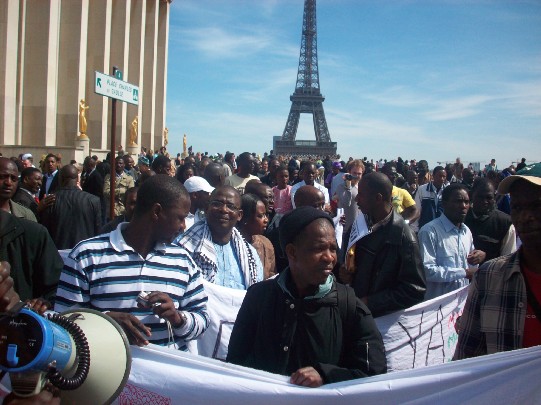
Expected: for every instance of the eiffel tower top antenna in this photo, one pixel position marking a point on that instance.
(308, 73)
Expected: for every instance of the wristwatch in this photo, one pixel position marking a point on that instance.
(184, 319)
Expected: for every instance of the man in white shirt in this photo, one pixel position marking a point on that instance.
(199, 190)
(309, 173)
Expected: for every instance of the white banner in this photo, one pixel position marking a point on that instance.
(422, 335)
(162, 376)
(419, 336)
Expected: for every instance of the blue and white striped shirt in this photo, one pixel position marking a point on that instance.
(106, 274)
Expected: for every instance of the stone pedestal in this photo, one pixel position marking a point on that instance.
(84, 142)
(133, 150)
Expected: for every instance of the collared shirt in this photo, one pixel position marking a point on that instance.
(444, 249)
(48, 180)
(495, 311)
(428, 202)
(106, 274)
(229, 273)
(192, 219)
(316, 185)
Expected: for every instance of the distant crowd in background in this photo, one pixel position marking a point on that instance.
(396, 232)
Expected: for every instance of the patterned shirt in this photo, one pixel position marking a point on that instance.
(105, 273)
(495, 311)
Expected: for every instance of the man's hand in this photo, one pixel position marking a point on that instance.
(40, 305)
(476, 257)
(306, 377)
(136, 331)
(8, 296)
(43, 398)
(470, 271)
(166, 308)
(46, 202)
(345, 276)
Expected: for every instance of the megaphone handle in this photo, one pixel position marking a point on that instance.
(83, 355)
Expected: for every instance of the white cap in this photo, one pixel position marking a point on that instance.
(196, 183)
(26, 156)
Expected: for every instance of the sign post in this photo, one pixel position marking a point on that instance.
(116, 89)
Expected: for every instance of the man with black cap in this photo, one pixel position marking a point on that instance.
(303, 323)
(503, 309)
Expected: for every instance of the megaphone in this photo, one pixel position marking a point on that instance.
(83, 352)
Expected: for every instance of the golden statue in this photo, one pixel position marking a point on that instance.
(165, 136)
(82, 118)
(133, 132)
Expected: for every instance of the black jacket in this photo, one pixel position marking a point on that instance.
(389, 270)
(489, 231)
(75, 216)
(24, 198)
(34, 259)
(93, 184)
(52, 188)
(278, 333)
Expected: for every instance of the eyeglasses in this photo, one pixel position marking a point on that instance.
(217, 204)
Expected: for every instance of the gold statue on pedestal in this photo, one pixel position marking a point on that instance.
(82, 118)
(133, 131)
(165, 137)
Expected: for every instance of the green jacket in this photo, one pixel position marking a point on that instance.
(34, 259)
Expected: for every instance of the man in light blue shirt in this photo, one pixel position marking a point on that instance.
(449, 257)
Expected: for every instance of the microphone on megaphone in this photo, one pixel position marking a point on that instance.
(82, 352)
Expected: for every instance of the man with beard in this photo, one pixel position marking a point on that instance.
(492, 229)
(503, 310)
(449, 256)
(218, 248)
(108, 272)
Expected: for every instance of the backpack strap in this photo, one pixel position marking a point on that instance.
(347, 303)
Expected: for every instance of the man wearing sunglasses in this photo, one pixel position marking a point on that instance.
(218, 248)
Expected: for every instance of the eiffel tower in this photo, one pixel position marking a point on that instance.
(307, 97)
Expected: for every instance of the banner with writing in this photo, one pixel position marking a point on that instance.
(419, 336)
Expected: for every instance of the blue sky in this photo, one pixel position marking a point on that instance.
(418, 79)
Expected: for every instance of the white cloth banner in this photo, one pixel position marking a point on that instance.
(419, 336)
(162, 376)
(424, 334)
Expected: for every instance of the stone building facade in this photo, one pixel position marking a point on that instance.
(49, 51)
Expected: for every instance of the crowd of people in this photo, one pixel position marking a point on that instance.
(267, 225)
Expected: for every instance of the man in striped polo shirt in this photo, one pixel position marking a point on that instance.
(108, 272)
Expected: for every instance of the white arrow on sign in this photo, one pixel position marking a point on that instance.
(112, 87)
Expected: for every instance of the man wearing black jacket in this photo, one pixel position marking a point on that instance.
(75, 215)
(303, 323)
(388, 274)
